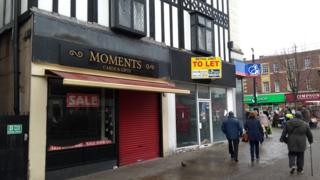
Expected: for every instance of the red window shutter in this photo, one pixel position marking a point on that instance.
(139, 126)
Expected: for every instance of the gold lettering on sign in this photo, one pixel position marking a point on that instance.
(78, 54)
(120, 61)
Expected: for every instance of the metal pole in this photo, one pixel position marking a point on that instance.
(311, 160)
(254, 82)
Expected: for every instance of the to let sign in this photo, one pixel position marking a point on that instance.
(206, 68)
(82, 100)
(14, 129)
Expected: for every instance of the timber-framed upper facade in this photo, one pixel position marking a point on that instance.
(165, 21)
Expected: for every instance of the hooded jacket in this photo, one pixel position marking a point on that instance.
(297, 131)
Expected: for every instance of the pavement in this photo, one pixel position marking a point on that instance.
(214, 163)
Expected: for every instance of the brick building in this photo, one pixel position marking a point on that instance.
(272, 87)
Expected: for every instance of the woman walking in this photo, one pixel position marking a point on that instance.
(255, 134)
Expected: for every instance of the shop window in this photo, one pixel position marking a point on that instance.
(129, 16)
(79, 117)
(186, 118)
(201, 34)
(203, 92)
(219, 109)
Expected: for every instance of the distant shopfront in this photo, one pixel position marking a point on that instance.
(265, 101)
(304, 99)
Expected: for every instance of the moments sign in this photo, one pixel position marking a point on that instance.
(206, 68)
(107, 61)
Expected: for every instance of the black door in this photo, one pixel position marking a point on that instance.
(14, 147)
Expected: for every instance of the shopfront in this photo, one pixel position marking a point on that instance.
(303, 99)
(91, 105)
(199, 115)
(266, 102)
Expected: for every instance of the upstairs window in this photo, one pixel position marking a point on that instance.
(266, 86)
(276, 68)
(291, 64)
(129, 16)
(265, 68)
(307, 63)
(201, 34)
(308, 85)
(276, 87)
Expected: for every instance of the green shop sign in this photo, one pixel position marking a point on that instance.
(265, 98)
(14, 129)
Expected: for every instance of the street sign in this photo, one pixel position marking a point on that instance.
(14, 129)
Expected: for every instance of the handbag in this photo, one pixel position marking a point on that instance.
(245, 137)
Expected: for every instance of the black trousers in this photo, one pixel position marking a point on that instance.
(254, 149)
(296, 159)
(233, 148)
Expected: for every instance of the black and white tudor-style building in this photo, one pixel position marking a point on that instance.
(107, 83)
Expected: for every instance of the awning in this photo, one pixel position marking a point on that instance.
(77, 79)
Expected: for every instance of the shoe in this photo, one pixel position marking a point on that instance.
(292, 170)
(300, 172)
(252, 159)
(236, 160)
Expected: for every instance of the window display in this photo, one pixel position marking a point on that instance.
(219, 108)
(79, 117)
(186, 118)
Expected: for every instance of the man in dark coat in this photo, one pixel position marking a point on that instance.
(294, 134)
(232, 128)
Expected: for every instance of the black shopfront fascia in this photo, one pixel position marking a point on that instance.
(50, 44)
(181, 70)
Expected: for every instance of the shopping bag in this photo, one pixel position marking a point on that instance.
(268, 129)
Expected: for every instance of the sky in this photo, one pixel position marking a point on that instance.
(272, 26)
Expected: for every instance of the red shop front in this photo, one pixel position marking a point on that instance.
(303, 98)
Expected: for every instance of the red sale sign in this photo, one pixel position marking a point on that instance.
(82, 100)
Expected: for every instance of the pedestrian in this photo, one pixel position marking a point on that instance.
(275, 119)
(265, 123)
(233, 130)
(294, 134)
(255, 134)
(306, 115)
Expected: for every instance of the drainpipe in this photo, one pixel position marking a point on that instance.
(16, 65)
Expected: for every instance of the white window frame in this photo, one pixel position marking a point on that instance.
(266, 88)
(276, 86)
(265, 69)
(276, 68)
(307, 63)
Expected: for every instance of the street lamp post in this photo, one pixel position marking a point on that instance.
(254, 82)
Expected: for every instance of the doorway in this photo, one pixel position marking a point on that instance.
(205, 126)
